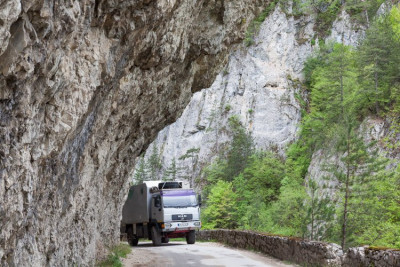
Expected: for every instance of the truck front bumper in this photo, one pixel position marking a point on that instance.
(181, 226)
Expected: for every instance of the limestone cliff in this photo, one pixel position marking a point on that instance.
(84, 88)
(261, 84)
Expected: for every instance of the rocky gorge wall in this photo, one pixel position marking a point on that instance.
(260, 84)
(84, 88)
(304, 252)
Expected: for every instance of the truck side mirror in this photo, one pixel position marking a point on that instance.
(199, 199)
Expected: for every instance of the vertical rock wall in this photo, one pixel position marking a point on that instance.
(261, 84)
(85, 85)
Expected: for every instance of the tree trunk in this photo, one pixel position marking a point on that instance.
(376, 87)
(346, 196)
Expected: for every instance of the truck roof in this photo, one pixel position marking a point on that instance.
(164, 184)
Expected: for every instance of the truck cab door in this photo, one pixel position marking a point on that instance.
(157, 212)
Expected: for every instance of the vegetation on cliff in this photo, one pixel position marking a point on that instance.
(266, 192)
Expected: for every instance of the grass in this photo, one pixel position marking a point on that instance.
(113, 259)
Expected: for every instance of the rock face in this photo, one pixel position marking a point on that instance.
(260, 84)
(84, 88)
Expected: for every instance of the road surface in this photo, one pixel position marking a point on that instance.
(200, 254)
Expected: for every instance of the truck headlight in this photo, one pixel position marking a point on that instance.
(168, 225)
(197, 223)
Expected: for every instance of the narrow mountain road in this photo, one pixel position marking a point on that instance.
(200, 254)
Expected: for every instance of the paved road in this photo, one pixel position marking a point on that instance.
(199, 254)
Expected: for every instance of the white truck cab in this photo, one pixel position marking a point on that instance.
(161, 210)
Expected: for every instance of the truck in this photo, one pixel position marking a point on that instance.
(159, 211)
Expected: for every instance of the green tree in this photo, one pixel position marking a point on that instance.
(394, 19)
(378, 57)
(375, 216)
(320, 212)
(221, 208)
(154, 163)
(140, 171)
(257, 187)
(263, 176)
(287, 215)
(335, 104)
(241, 148)
(192, 155)
(172, 172)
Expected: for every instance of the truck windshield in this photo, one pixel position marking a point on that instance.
(179, 201)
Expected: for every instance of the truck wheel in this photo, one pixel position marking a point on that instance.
(155, 236)
(133, 242)
(165, 240)
(132, 239)
(191, 237)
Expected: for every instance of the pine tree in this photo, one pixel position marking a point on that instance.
(140, 171)
(191, 154)
(242, 147)
(172, 173)
(375, 216)
(320, 212)
(378, 57)
(332, 81)
(154, 163)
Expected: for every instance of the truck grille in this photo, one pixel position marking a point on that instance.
(182, 217)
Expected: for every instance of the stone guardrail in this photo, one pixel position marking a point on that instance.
(304, 252)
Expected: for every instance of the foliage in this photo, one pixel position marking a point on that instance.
(172, 172)
(363, 11)
(327, 12)
(268, 193)
(242, 147)
(221, 208)
(154, 163)
(320, 212)
(378, 59)
(192, 154)
(394, 18)
(140, 171)
(375, 215)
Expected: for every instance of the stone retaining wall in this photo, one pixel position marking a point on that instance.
(304, 252)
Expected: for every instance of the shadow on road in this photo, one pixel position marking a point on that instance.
(149, 244)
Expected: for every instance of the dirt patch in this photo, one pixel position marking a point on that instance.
(143, 257)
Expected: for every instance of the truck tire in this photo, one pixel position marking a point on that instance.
(133, 242)
(165, 240)
(191, 237)
(132, 239)
(155, 236)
